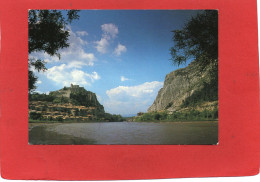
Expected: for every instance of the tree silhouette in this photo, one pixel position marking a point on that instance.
(48, 32)
(197, 40)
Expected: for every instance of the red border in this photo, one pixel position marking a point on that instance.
(237, 154)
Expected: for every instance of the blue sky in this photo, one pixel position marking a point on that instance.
(121, 55)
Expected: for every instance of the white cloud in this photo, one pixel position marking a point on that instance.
(66, 74)
(132, 99)
(122, 78)
(134, 91)
(119, 49)
(93, 76)
(75, 52)
(76, 64)
(102, 45)
(82, 33)
(109, 30)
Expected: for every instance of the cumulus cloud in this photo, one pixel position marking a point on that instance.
(75, 52)
(76, 64)
(133, 91)
(122, 78)
(102, 45)
(131, 99)
(82, 33)
(109, 30)
(66, 74)
(119, 49)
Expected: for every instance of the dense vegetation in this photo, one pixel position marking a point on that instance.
(40, 97)
(192, 115)
(198, 40)
(37, 117)
(81, 97)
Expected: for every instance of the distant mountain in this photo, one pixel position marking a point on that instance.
(129, 115)
(72, 103)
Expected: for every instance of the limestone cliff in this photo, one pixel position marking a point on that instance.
(187, 88)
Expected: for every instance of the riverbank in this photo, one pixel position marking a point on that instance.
(36, 123)
(176, 116)
(69, 121)
(173, 121)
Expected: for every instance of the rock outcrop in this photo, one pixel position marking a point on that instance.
(78, 96)
(187, 87)
(68, 103)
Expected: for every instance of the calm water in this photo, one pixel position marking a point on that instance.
(125, 133)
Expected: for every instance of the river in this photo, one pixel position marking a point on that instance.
(164, 133)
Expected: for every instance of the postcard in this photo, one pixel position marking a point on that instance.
(151, 81)
(114, 90)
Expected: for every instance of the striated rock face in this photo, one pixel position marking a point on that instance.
(182, 85)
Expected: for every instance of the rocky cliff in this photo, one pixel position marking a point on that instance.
(188, 88)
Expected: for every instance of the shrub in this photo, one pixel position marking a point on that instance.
(35, 115)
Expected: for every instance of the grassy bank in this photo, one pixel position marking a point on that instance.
(193, 115)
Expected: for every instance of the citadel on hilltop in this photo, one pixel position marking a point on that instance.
(66, 91)
(72, 103)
